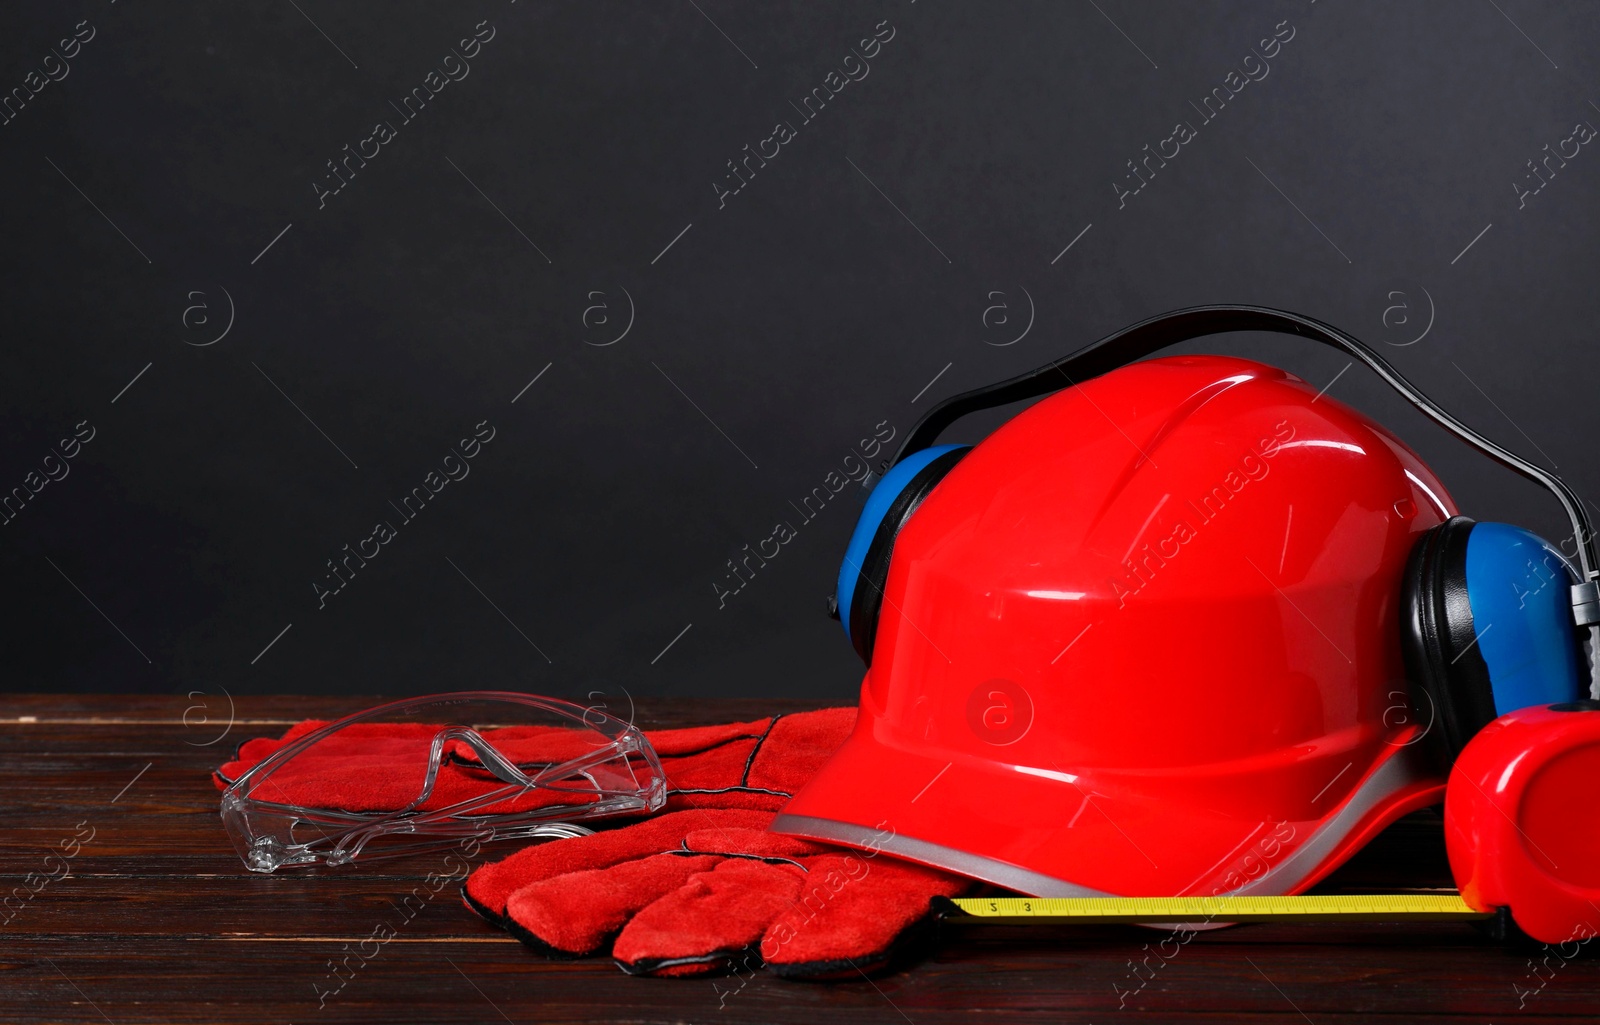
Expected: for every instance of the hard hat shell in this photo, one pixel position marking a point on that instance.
(1143, 640)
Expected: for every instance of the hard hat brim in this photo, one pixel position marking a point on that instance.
(1050, 833)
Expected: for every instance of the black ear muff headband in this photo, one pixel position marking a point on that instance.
(1143, 339)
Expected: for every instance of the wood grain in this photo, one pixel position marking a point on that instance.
(158, 922)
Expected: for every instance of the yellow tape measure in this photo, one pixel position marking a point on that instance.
(1398, 907)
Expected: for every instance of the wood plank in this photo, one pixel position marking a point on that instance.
(34, 709)
(1086, 977)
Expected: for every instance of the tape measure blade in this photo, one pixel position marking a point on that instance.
(1164, 910)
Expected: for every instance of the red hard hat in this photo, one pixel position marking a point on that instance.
(1144, 640)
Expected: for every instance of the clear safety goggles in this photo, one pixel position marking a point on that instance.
(432, 772)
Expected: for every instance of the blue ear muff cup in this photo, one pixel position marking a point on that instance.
(1520, 585)
(1446, 671)
(879, 500)
(866, 561)
(1485, 627)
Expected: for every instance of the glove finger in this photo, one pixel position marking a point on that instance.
(851, 913)
(710, 922)
(748, 842)
(488, 888)
(572, 915)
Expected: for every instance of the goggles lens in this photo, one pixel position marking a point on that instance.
(426, 773)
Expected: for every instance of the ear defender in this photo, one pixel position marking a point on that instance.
(1486, 627)
(865, 569)
(1518, 833)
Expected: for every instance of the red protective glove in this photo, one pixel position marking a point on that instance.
(687, 892)
(376, 766)
(700, 891)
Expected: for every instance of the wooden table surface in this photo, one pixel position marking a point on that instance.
(158, 921)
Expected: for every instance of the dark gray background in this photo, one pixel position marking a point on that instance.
(809, 309)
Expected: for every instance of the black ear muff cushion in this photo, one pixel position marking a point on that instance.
(868, 599)
(1446, 670)
(1417, 644)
